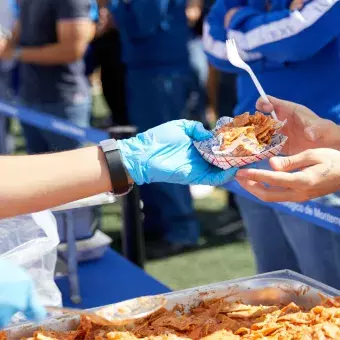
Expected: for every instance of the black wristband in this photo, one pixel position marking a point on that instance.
(118, 176)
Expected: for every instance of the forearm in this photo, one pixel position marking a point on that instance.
(52, 54)
(73, 39)
(35, 183)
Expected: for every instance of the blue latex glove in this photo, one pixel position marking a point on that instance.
(17, 294)
(167, 154)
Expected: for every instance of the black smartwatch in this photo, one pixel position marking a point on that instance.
(118, 175)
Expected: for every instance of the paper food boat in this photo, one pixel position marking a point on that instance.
(210, 149)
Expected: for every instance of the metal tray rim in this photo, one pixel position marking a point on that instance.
(282, 275)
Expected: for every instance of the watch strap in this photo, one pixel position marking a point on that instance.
(118, 175)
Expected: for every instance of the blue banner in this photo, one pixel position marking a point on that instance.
(311, 211)
(52, 123)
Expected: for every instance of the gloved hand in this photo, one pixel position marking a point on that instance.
(167, 154)
(17, 294)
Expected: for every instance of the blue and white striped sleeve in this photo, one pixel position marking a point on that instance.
(214, 38)
(285, 36)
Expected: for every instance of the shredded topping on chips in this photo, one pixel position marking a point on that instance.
(258, 130)
(217, 320)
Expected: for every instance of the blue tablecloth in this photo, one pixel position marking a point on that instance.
(108, 280)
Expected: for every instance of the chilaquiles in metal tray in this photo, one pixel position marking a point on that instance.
(243, 140)
(280, 305)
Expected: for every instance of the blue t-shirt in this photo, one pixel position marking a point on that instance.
(154, 34)
(65, 83)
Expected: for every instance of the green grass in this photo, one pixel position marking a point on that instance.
(217, 262)
(204, 266)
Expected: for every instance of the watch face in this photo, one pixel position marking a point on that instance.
(119, 178)
(109, 145)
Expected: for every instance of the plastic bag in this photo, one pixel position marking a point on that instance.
(31, 241)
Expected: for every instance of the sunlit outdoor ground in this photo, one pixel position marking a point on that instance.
(217, 259)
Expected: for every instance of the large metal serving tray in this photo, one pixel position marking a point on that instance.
(272, 288)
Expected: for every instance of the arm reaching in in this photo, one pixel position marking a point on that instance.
(35, 183)
(163, 154)
(167, 154)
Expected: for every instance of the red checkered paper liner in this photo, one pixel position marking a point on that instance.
(208, 149)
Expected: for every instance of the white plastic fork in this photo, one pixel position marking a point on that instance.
(236, 60)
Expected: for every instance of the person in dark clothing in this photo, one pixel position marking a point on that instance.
(197, 96)
(106, 52)
(49, 40)
(226, 102)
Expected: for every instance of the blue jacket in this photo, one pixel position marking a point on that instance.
(296, 55)
(154, 33)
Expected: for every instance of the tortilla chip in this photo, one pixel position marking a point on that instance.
(258, 130)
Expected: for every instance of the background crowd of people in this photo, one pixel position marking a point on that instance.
(153, 69)
(148, 77)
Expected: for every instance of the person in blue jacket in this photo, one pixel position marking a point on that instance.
(154, 37)
(293, 47)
